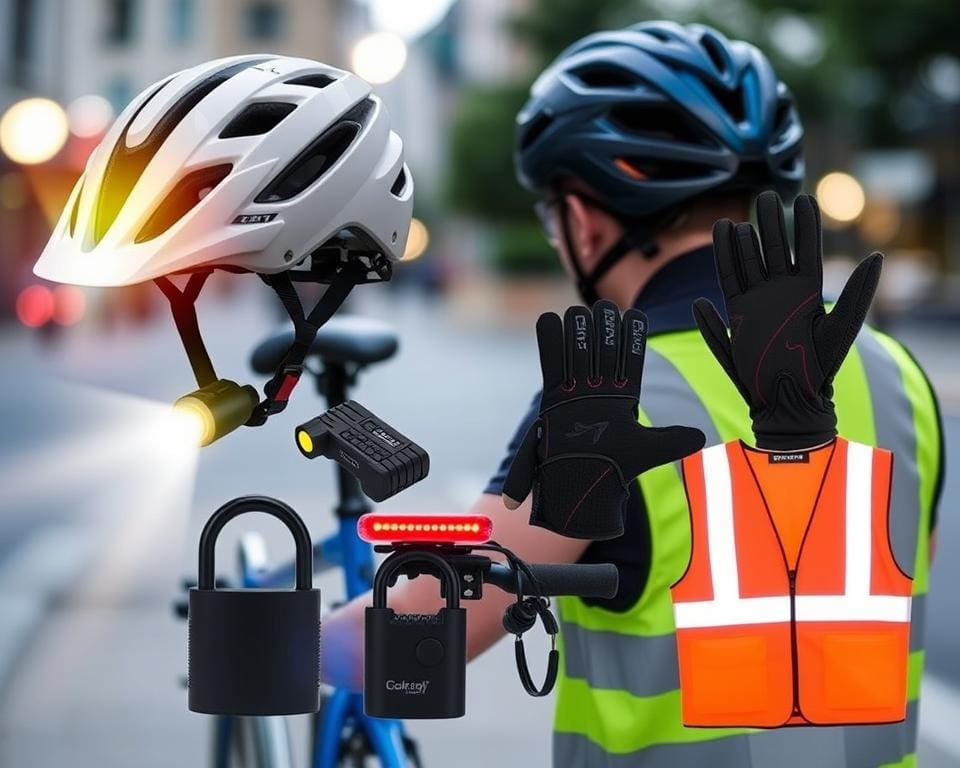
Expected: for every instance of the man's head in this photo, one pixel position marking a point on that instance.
(636, 140)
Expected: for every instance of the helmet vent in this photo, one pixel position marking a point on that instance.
(400, 183)
(75, 210)
(126, 164)
(189, 191)
(537, 126)
(317, 80)
(312, 163)
(644, 169)
(659, 122)
(257, 119)
(730, 100)
(712, 47)
(606, 76)
(783, 119)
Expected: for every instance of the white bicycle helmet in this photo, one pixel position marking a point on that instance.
(248, 162)
(281, 166)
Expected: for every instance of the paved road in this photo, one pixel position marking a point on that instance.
(99, 521)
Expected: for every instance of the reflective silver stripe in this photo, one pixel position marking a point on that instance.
(918, 621)
(866, 746)
(643, 666)
(882, 744)
(667, 398)
(893, 422)
(573, 750)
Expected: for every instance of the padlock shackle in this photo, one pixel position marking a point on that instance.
(392, 565)
(241, 505)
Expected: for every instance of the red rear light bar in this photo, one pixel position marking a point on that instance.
(440, 529)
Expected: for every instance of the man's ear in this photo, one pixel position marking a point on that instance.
(586, 230)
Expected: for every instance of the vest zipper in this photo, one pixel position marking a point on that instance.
(792, 575)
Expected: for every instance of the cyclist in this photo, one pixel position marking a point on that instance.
(637, 141)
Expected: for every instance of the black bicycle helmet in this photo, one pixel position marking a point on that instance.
(656, 114)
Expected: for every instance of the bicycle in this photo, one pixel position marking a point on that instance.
(342, 734)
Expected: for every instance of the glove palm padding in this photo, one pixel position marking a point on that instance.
(586, 446)
(783, 350)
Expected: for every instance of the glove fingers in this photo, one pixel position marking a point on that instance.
(550, 341)
(773, 234)
(606, 324)
(748, 249)
(714, 332)
(725, 255)
(633, 347)
(807, 233)
(520, 476)
(843, 323)
(578, 343)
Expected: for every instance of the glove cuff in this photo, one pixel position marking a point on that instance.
(793, 442)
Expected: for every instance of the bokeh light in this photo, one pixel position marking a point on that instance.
(35, 306)
(881, 222)
(33, 130)
(841, 197)
(69, 304)
(379, 57)
(89, 115)
(417, 240)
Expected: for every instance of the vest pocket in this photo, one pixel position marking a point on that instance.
(865, 673)
(729, 677)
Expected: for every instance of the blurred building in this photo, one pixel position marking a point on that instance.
(67, 48)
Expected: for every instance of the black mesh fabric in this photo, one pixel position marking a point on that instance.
(579, 497)
(586, 446)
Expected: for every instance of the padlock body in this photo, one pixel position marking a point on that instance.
(415, 665)
(254, 651)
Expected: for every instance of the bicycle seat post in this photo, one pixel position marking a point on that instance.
(352, 502)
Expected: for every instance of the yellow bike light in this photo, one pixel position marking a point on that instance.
(218, 408)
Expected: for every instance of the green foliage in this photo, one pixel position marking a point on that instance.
(551, 25)
(481, 181)
(521, 249)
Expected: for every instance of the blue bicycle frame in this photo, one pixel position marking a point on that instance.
(354, 557)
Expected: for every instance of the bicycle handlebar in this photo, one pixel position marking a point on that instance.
(600, 580)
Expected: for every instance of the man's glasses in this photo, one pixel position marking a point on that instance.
(549, 223)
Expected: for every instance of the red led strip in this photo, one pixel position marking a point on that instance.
(445, 529)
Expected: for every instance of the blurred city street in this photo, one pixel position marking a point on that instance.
(94, 538)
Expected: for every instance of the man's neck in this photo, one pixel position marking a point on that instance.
(628, 277)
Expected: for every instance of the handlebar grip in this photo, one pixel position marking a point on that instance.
(576, 580)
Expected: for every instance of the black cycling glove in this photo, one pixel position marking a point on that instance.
(586, 446)
(783, 349)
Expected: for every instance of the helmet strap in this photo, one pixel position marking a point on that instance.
(182, 304)
(642, 238)
(277, 390)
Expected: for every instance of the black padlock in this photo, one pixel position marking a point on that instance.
(415, 665)
(254, 651)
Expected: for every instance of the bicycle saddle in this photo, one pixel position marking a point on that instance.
(347, 339)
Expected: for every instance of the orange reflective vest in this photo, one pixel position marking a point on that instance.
(792, 610)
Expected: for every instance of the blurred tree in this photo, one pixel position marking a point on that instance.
(865, 68)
